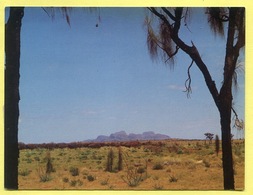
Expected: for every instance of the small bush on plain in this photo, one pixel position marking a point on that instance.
(65, 180)
(91, 178)
(158, 166)
(45, 177)
(74, 171)
(104, 182)
(24, 172)
(206, 163)
(173, 178)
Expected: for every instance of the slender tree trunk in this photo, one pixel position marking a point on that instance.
(227, 159)
(225, 120)
(12, 57)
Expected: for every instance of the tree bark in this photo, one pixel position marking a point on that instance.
(11, 108)
(227, 157)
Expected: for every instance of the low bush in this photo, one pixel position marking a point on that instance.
(45, 177)
(24, 172)
(91, 178)
(173, 178)
(104, 182)
(206, 163)
(73, 183)
(158, 187)
(78, 182)
(141, 170)
(74, 171)
(158, 166)
(65, 180)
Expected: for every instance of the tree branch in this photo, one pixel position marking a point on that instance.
(173, 54)
(238, 124)
(236, 116)
(188, 81)
(168, 13)
(190, 50)
(161, 16)
(178, 16)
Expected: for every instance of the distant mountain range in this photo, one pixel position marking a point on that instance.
(123, 136)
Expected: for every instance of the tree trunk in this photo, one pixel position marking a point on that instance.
(11, 108)
(227, 157)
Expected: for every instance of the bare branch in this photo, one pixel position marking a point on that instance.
(46, 12)
(173, 54)
(178, 16)
(168, 13)
(188, 81)
(239, 124)
(234, 112)
(161, 16)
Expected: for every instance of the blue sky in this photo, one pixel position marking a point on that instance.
(81, 81)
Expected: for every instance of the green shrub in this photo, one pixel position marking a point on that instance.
(74, 171)
(79, 182)
(36, 158)
(45, 177)
(158, 187)
(156, 177)
(180, 152)
(158, 166)
(24, 172)
(65, 180)
(173, 178)
(104, 182)
(73, 183)
(141, 170)
(133, 178)
(91, 178)
(28, 160)
(211, 153)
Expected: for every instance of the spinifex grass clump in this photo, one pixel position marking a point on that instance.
(74, 171)
(133, 177)
(134, 172)
(158, 166)
(24, 172)
(43, 175)
(73, 183)
(173, 178)
(91, 178)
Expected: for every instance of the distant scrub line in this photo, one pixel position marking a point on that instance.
(86, 144)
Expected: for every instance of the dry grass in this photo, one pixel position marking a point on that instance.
(186, 165)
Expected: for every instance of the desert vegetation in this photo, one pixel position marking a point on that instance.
(149, 165)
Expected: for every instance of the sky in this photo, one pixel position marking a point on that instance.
(79, 81)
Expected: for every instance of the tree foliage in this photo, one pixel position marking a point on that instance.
(209, 136)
